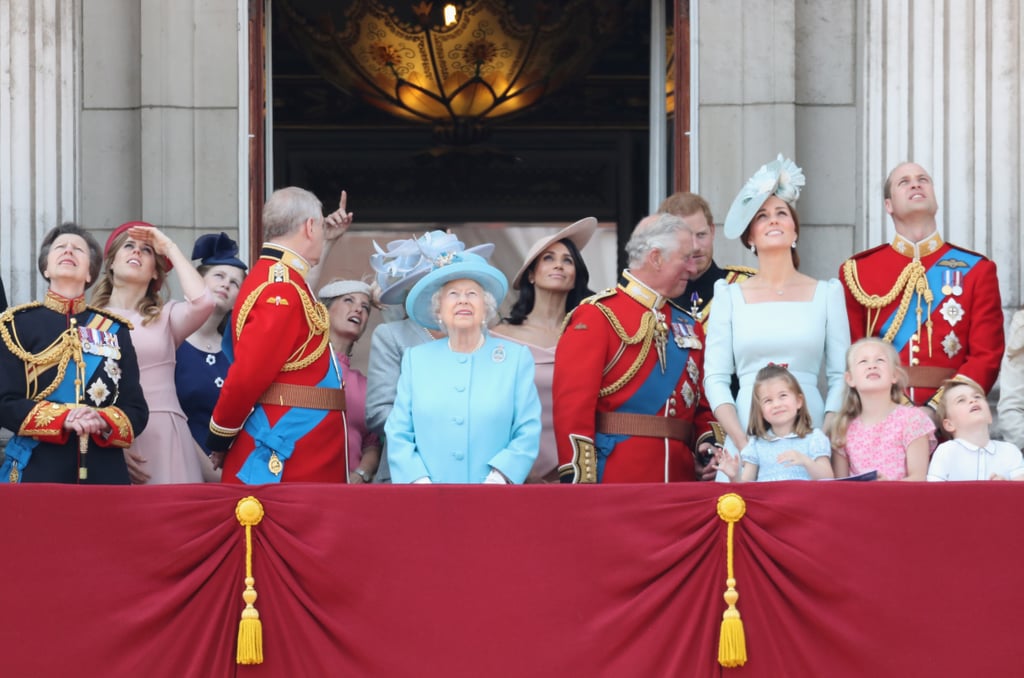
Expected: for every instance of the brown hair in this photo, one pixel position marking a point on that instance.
(756, 425)
(151, 303)
(683, 204)
(745, 236)
(852, 406)
(95, 256)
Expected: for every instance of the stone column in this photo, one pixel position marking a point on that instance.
(38, 121)
(942, 87)
(160, 116)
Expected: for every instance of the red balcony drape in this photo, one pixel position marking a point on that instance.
(835, 579)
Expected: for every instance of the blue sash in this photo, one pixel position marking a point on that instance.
(934, 275)
(651, 395)
(227, 341)
(281, 438)
(19, 448)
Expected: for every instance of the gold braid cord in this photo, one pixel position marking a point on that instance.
(65, 348)
(645, 334)
(316, 316)
(912, 279)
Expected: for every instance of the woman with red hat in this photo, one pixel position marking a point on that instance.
(137, 258)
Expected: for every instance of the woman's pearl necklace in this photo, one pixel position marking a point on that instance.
(475, 348)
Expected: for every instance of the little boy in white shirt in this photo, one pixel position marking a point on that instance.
(971, 455)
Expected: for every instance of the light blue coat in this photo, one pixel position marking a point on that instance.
(457, 415)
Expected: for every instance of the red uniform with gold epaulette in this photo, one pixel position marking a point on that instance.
(628, 403)
(937, 303)
(280, 334)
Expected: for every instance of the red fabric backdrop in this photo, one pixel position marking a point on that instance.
(835, 579)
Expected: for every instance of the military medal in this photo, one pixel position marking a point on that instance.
(951, 344)
(689, 396)
(695, 302)
(693, 370)
(947, 279)
(952, 312)
(275, 464)
(679, 334)
(958, 279)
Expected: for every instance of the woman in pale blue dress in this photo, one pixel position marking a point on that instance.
(778, 316)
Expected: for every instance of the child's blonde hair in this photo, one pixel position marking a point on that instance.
(852, 406)
(941, 406)
(757, 426)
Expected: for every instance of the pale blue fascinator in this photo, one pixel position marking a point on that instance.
(404, 262)
(780, 177)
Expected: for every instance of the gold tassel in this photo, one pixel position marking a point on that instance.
(249, 512)
(732, 641)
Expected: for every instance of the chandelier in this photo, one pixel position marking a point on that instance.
(457, 67)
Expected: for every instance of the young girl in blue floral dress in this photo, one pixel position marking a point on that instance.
(783, 443)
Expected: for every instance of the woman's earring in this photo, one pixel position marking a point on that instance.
(753, 250)
(793, 245)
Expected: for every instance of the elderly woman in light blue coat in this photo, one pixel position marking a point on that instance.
(466, 410)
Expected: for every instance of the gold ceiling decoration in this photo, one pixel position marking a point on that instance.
(493, 60)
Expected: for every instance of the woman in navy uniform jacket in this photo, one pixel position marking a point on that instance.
(71, 381)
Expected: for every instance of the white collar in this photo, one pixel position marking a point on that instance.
(974, 448)
(770, 435)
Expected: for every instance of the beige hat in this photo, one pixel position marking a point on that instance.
(579, 233)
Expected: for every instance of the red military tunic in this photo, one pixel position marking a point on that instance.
(281, 336)
(965, 335)
(607, 361)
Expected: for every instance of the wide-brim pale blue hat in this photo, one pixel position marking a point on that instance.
(458, 266)
(404, 262)
(780, 177)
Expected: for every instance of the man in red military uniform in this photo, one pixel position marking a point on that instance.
(937, 303)
(628, 405)
(281, 411)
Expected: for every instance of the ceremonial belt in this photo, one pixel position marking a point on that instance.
(929, 376)
(647, 425)
(297, 395)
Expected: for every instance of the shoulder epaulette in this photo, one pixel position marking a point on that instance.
(603, 294)
(743, 270)
(278, 273)
(964, 249)
(113, 316)
(8, 314)
(865, 253)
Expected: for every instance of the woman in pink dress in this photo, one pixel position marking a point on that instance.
(349, 303)
(137, 258)
(551, 282)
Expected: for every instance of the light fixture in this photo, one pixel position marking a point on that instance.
(449, 15)
(456, 70)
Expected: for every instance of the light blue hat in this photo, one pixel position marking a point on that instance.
(407, 260)
(780, 177)
(457, 266)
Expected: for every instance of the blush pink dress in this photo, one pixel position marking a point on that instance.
(883, 446)
(172, 456)
(359, 436)
(545, 469)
